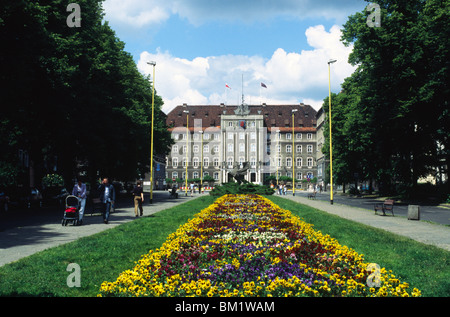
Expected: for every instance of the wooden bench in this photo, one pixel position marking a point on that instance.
(312, 195)
(387, 205)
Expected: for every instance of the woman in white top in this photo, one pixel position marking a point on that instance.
(79, 190)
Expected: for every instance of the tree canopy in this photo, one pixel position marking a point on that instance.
(391, 121)
(72, 97)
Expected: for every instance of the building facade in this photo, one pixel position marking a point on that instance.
(260, 140)
(322, 161)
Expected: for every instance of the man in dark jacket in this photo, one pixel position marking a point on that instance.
(107, 197)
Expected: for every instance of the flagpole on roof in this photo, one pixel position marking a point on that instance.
(242, 88)
(226, 93)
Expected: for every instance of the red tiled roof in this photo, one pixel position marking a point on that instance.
(274, 116)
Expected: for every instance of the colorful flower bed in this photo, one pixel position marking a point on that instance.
(244, 245)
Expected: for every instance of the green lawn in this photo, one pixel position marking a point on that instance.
(104, 256)
(101, 257)
(423, 266)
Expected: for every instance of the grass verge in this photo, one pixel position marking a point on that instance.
(102, 257)
(423, 266)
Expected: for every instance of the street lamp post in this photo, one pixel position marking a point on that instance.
(293, 162)
(201, 164)
(151, 142)
(331, 61)
(187, 149)
(278, 153)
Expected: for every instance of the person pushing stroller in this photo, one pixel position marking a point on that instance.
(79, 191)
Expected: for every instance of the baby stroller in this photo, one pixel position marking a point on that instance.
(71, 211)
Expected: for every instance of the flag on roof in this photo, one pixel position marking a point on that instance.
(263, 85)
(226, 85)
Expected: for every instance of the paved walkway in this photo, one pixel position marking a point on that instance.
(428, 233)
(21, 241)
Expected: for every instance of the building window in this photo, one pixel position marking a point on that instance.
(298, 136)
(216, 176)
(241, 147)
(174, 175)
(279, 162)
(230, 123)
(288, 148)
(253, 147)
(216, 149)
(309, 135)
(206, 136)
(195, 136)
(195, 149)
(184, 162)
(205, 148)
(195, 162)
(216, 136)
(298, 161)
(253, 135)
(299, 176)
(241, 136)
(174, 161)
(230, 148)
(289, 162)
(309, 149)
(175, 149)
(205, 162)
(310, 162)
(216, 162)
(230, 162)
(195, 175)
(253, 162)
(288, 136)
(184, 148)
(278, 148)
(298, 148)
(230, 136)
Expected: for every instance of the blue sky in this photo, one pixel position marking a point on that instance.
(200, 45)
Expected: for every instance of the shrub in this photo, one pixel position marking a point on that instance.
(235, 189)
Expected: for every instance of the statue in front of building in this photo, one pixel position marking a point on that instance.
(238, 172)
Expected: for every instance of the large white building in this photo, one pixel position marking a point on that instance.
(215, 140)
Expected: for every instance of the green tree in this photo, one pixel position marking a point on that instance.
(400, 81)
(73, 95)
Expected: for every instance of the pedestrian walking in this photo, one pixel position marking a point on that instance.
(138, 194)
(79, 190)
(284, 189)
(107, 197)
(192, 189)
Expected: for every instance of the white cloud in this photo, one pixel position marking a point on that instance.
(139, 13)
(136, 13)
(199, 11)
(290, 77)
